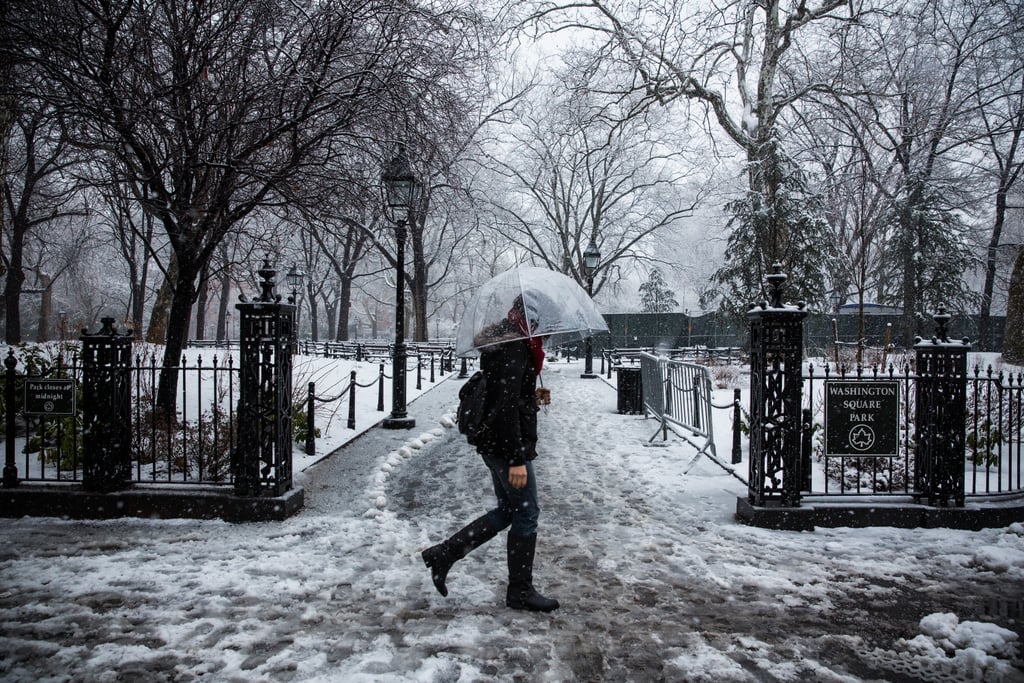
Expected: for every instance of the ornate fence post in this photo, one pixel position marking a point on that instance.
(776, 354)
(106, 408)
(941, 417)
(262, 463)
(10, 465)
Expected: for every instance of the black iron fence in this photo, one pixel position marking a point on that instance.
(994, 438)
(189, 443)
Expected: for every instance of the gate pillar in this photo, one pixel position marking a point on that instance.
(941, 417)
(106, 408)
(262, 462)
(776, 354)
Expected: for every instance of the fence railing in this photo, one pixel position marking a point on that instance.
(191, 443)
(437, 367)
(994, 454)
(349, 350)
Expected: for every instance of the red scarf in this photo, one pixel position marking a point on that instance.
(535, 344)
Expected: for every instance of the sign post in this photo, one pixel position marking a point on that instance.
(862, 418)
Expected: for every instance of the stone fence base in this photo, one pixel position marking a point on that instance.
(155, 502)
(894, 511)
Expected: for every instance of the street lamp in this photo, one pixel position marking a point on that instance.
(294, 280)
(836, 297)
(591, 259)
(400, 188)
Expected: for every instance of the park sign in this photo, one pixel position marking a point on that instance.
(49, 396)
(862, 418)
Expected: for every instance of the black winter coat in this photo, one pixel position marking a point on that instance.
(511, 403)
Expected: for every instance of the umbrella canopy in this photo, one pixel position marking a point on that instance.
(556, 307)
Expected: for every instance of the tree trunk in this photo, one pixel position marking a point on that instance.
(984, 320)
(1013, 337)
(177, 333)
(908, 292)
(43, 327)
(314, 312)
(330, 315)
(344, 309)
(201, 303)
(13, 282)
(158, 324)
(418, 285)
(138, 303)
(222, 306)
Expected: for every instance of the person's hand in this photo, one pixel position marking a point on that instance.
(517, 476)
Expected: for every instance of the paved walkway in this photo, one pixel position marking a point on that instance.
(657, 580)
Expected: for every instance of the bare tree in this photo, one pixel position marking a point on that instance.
(1000, 107)
(38, 193)
(216, 109)
(734, 59)
(577, 169)
(918, 113)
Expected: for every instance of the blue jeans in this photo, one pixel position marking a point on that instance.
(517, 508)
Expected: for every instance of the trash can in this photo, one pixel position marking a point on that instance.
(631, 390)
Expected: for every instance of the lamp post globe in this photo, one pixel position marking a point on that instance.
(591, 260)
(400, 194)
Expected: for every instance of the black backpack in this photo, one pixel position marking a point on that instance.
(472, 410)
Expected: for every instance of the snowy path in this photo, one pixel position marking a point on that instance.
(657, 580)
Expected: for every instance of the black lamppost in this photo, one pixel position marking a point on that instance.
(294, 280)
(836, 298)
(400, 189)
(591, 258)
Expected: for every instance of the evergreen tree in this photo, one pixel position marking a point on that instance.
(925, 258)
(655, 296)
(783, 223)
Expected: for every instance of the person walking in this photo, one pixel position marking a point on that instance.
(508, 445)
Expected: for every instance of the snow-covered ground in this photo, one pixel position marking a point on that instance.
(656, 578)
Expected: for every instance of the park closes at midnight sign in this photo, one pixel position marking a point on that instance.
(49, 396)
(862, 418)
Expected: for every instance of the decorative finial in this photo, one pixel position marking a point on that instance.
(775, 281)
(941, 319)
(267, 274)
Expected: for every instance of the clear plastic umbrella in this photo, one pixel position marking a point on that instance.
(556, 307)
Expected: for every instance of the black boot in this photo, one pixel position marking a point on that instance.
(521, 593)
(441, 557)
